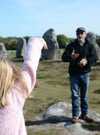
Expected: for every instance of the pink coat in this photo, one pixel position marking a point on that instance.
(11, 116)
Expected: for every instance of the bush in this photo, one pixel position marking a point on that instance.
(10, 43)
(62, 41)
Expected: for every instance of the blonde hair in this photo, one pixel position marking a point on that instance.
(9, 73)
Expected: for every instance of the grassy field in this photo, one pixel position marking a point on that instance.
(54, 87)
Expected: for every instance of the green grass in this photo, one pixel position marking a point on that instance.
(54, 87)
(51, 131)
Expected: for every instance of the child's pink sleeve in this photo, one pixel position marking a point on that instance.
(32, 53)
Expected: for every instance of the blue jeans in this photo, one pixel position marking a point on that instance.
(79, 90)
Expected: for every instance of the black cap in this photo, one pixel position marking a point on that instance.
(80, 29)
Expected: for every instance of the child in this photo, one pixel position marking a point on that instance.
(15, 87)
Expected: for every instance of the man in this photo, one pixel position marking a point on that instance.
(81, 55)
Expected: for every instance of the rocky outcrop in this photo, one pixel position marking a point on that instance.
(58, 116)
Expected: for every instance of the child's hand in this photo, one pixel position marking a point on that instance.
(45, 45)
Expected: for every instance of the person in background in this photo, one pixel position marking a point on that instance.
(81, 56)
(16, 85)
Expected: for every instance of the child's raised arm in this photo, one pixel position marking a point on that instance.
(32, 53)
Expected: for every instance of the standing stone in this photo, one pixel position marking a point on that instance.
(22, 42)
(51, 40)
(19, 47)
(3, 51)
(91, 38)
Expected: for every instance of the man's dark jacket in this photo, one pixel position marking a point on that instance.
(85, 51)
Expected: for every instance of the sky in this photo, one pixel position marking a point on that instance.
(34, 17)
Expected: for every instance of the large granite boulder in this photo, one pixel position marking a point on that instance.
(59, 109)
(51, 40)
(91, 37)
(3, 51)
(58, 118)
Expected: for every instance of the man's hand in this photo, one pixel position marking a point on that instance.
(74, 56)
(83, 62)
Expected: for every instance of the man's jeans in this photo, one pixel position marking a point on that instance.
(79, 89)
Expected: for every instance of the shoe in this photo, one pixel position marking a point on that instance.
(86, 119)
(76, 120)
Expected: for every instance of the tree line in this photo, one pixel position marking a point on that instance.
(63, 41)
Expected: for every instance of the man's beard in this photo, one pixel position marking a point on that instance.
(81, 41)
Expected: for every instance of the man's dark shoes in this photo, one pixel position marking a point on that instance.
(86, 118)
(76, 120)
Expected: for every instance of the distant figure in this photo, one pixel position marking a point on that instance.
(51, 40)
(3, 51)
(16, 85)
(91, 38)
(81, 55)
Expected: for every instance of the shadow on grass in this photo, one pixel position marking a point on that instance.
(49, 120)
(95, 126)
